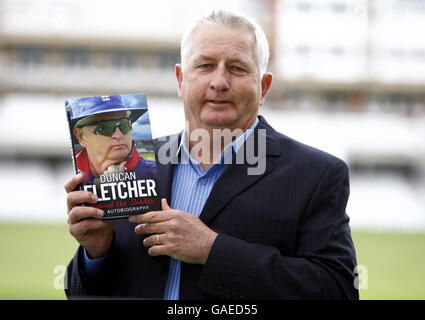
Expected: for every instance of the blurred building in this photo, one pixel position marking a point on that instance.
(349, 78)
(75, 47)
(371, 53)
(362, 64)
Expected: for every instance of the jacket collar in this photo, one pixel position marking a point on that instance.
(233, 180)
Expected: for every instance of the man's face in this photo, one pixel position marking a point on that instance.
(102, 150)
(220, 85)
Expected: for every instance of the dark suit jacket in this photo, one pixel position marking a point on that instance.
(281, 235)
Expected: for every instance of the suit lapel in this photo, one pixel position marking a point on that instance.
(235, 178)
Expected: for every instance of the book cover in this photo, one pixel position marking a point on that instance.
(112, 147)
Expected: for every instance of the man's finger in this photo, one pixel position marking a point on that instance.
(158, 250)
(80, 213)
(73, 183)
(78, 229)
(153, 240)
(78, 197)
(148, 228)
(121, 166)
(165, 205)
(152, 217)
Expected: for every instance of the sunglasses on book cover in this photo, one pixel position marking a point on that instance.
(107, 127)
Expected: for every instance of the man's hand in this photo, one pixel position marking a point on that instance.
(182, 235)
(115, 168)
(110, 171)
(84, 222)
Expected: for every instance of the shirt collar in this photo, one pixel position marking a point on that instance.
(236, 144)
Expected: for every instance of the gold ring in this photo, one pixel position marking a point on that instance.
(157, 240)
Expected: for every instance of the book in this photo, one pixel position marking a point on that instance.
(112, 146)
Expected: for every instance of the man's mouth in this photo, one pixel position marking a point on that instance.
(219, 101)
(118, 146)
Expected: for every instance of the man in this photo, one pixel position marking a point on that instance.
(103, 127)
(222, 233)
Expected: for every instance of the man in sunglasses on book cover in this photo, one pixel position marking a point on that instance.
(103, 127)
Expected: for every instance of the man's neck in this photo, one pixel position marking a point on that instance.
(207, 144)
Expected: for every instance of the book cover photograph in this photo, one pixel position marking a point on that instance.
(112, 147)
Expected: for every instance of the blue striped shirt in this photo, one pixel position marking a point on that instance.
(190, 190)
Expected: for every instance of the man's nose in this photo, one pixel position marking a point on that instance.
(117, 132)
(220, 79)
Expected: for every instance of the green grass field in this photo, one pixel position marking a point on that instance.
(149, 156)
(395, 262)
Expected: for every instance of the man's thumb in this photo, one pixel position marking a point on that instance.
(164, 204)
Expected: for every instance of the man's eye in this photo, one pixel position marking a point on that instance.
(99, 130)
(238, 69)
(205, 66)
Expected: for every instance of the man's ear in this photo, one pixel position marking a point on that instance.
(179, 76)
(78, 132)
(266, 82)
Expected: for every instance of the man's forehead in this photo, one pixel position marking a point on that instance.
(208, 41)
(221, 34)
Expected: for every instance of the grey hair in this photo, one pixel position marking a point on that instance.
(236, 21)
